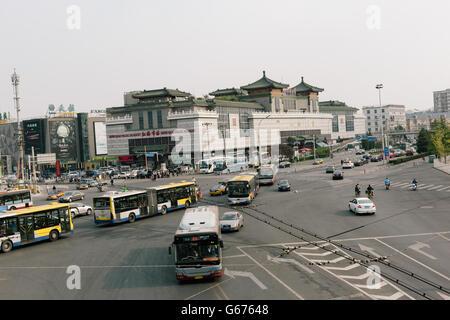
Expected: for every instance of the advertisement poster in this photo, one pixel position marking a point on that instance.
(63, 139)
(33, 132)
(100, 138)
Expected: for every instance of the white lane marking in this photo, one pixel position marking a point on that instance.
(395, 296)
(356, 295)
(378, 286)
(326, 253)
(327, 261)
(236, 256)
(369, 250)
(397, 184)
(349, 267)
(443, 237)
(441, 189)
(405, 186)
(293, 261)
(402, 184)
(420, 245)
(250, 275)
(443, 296)
(273, 276)
(427, 188)
(360, 277)
(285, 244)
(435, 187)
(411, 258)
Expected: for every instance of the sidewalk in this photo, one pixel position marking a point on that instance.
(437, 164)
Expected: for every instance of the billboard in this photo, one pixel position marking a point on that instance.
(101, 147)
(63, 138)
(33, 135)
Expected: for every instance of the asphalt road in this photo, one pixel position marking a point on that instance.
(131, 261)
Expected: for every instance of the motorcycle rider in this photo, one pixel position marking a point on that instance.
(387, 183)
(369, 191)
(357, 190)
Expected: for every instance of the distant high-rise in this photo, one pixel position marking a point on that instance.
(441, 100)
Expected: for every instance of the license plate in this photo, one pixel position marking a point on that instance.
(198, 277)
(367, 207)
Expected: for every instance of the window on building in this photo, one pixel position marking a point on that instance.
(349, 122)
(368, 111)
(368, 123)
(368, 117)
(374, 111)
(382, 110)
(335, 123)
(244, 125)
(160, 120)
(150, 119)
(141, 120)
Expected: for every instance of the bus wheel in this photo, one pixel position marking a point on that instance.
(89, 211)
(163, 210)
(187, 204)
(131, 218)
(7, 246)
(54, 235)
(12, 208)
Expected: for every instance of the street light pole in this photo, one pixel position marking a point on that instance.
(15, 83)
(379, 87)
(259, 139)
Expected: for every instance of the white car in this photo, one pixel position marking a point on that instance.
(231, 220)
(347, 165)
(362, 205)
(77, 208)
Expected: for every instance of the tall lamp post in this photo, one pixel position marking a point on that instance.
(379, 87)
(15, 83)
(207, 124)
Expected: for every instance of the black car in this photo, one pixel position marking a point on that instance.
(374, 159)
(338, 175)
(358, 163)
(284, 185)
(366, 156)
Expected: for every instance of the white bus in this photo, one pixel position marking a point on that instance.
(267, 174)
(197, 245)
(229, 165)
(207, 165)
(18, 199)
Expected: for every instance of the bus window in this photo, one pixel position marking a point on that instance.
(17, 198)
(8, 200)
(2, 227)
(40, 221)
(11, 226)
(101, 203)
(52, 218)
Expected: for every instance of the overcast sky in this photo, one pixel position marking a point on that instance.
(345, 47)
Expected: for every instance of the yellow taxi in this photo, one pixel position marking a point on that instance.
(318, 161)
(82, 186)
(55, 195)
(218, 190)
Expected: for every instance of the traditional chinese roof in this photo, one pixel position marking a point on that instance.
(334, 105)
(227, 92)
(146, 94)
(303, 87)
(264, 83)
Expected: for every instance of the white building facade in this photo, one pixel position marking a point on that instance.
(391, 117)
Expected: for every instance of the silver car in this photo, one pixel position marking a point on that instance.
(78, 208)
(231, 220)
(70, 196)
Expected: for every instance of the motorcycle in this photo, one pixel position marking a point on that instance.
(370, 194)
(387, 185)
(357, 193)
(413, 187)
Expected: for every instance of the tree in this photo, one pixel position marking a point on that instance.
(286, 150)
(440, 138)
(423, 141)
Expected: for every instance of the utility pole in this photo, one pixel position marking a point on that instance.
(379, 87)
(314, 146)
(145, 154)
(259, 139)
(15, 83)
(207, 124)
(33, 163)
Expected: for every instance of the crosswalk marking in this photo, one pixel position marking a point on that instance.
(428, 187)
(441, 189)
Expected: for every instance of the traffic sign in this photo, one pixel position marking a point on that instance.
(372, 139)
(386, 151)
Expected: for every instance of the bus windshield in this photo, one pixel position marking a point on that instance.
(204, 164)
(238, 189)
(101, 203)
(205, 250)
(265, 173)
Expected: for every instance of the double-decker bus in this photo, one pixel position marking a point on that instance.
(18, 199)
(117, 207)
(267, 174)
(173, 196)
(242, 189)
(197, 245)
(34, 224)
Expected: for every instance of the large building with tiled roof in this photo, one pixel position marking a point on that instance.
(237, 121)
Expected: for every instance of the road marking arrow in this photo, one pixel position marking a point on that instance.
(293, 261)
(420, 245)
(395, 296)
(369, 250)
(250, 275)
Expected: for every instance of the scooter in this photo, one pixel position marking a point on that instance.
(413, 187)
(387, 185)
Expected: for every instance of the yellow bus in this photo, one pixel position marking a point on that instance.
(33, 224)
(242, 189)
